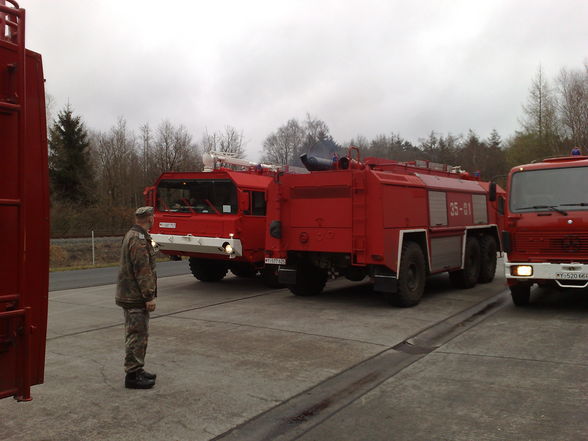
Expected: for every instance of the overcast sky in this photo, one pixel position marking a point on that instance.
(365, 67)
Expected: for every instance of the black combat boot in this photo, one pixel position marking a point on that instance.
(137, 380)
(147, 375)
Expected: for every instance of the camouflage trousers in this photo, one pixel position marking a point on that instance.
(136, 336)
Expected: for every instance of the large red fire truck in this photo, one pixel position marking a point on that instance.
(24, 209)
(216, 217)
(392, 221)
(546, 226)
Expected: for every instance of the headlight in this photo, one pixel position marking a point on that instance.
(227, 248)
(521, 270)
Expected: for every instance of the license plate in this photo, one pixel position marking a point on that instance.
(571, 276)
(167, 225)
(275, 261)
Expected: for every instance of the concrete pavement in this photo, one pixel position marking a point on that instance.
(520, 375)
(227, 352)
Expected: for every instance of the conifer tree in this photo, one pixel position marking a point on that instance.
(69, 159)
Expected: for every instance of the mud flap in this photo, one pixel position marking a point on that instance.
(384, 280)
(287, 275)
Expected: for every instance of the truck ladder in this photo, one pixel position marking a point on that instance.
(14, 315)
(359, 222)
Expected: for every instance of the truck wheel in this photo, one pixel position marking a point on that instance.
(207, 270)
(488, 249)
(245, 270)
(468, 276)
(310, 280)
(411, 277)
(269, 275)
(521, 294)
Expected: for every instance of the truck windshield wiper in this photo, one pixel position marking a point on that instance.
(578, 204)
(538, 207)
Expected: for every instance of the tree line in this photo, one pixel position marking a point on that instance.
(98, 177)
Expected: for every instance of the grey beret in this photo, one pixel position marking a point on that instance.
(144, 211)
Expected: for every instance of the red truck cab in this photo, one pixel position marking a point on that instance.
(546, 225)
(24, 210)
(216, 217)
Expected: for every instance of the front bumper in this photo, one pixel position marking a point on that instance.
(198, 244)
(562, 273)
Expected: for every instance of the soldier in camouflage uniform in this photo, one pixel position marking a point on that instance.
(136, 292)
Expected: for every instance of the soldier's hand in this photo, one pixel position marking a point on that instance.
(150, 305)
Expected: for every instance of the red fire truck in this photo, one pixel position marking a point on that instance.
(24, 209)
(546, 226)
(216, 217)
(392, 221)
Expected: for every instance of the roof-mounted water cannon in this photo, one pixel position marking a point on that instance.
(347, 162)
(312, 163)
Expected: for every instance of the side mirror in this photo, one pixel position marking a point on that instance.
(149, 195)
(492, 193)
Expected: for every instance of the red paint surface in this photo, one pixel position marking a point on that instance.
(24, 210)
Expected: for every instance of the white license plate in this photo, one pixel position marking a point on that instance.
(275, 261)
(571, 276)
(167, 225)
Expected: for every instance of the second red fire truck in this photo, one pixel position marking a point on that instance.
(391, 221)
(546, 227)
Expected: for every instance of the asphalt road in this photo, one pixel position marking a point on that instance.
(236, 361)
(61, 280)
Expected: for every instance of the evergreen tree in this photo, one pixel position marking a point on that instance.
(69, 159)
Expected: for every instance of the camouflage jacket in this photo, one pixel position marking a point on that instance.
(137, 279)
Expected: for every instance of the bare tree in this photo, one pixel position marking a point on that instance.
(280, 146)
(573, 104)
(146, 149)
(230, 140)
(118, 165)
(171, 147)
(49, 109)
(541, 115)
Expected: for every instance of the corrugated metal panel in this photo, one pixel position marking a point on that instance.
(438, 208)
(445, 253)
(480, 209)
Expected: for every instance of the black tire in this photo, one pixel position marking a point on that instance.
(521, 294)
(412, 277)
(488, 250)
(310, 280)
(269, 275)
(469, 275)
(245, 270)
(208, 270)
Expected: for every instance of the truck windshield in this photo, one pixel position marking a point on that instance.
(554, 189)
(203, 196)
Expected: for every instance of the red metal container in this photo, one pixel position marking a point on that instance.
(24, 210)
(394, 222)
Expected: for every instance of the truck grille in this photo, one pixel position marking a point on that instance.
(552, 244)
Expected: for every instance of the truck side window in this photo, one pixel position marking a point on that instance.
(257, 203)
